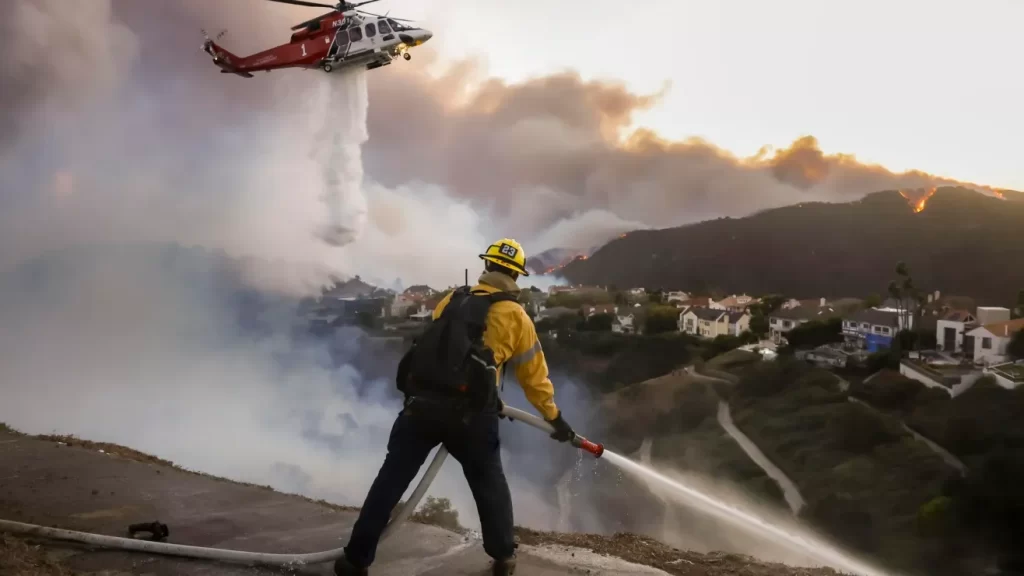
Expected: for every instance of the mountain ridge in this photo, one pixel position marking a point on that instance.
(960, 241)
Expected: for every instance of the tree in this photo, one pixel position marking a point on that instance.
(598, 323)
(816, 333)
(903, 290)
(1016, 347)
(1020, 304)
(759, 324)
(661, 319)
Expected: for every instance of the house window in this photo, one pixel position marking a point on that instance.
(787, 324)
(986, 343)
(865, 326)
(774, 321)
(885, 330)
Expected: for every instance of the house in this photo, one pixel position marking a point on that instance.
(401, 306)
(419, 292)
(951, 332)
(555, 312)
(624, 324)
(785, 319)
(992, 340)
(736, 303)
(700, 301)
(871, 329)
(637, 292)
(824, 357)
(676, 296)
(737, 322)
(705, 322)
(424, 314)
(600, 309)
(992, 314)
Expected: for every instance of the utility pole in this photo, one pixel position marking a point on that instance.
(467, 277)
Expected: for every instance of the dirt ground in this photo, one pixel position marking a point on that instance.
(95, 487)
(649, 552)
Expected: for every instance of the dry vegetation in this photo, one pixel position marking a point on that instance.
(21, 558)
(650, 552)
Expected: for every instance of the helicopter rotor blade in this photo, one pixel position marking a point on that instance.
(358, 4)
(385, 16)
(304, 3)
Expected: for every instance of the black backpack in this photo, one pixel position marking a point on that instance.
(449, 360)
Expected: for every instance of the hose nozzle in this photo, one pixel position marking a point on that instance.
(586, 445)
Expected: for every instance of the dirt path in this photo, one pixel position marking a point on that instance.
(789, 489)
(792, 494)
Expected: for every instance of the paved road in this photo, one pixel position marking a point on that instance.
(42, 482)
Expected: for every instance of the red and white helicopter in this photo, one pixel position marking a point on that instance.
(344, 37)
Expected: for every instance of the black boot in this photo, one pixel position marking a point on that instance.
(342, 567)
(504, 567)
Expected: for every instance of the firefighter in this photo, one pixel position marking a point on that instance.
(436, 411)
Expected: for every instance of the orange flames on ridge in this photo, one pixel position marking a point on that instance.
(918, 199)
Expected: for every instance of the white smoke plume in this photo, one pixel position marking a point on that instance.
(157, 231)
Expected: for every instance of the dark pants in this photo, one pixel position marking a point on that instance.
(473, 441)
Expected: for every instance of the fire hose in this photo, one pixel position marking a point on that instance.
(264, 559)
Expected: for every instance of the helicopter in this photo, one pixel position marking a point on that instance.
(345, 37)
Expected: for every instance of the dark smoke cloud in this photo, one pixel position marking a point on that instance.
(558, 149)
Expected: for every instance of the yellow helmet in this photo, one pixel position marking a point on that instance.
(508, 253)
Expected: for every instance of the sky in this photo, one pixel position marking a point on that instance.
(557, 125)
(922, 84)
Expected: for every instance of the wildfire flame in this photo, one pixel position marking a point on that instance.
(918, 199)
(995, 192)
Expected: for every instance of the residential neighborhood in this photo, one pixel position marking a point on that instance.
(955, 341)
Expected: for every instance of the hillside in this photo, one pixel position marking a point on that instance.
(956, 244)
(102, 488)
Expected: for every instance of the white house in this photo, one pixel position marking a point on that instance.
(676, 296)
(991, 341)
(951, 329)
(737, 322)
(422, 315)
(623, 324)
(709, 322)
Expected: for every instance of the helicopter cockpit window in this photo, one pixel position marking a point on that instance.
(396, 26)
(382, 25)
(355, 34)
(371, 30)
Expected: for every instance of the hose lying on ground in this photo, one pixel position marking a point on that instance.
(263, 559)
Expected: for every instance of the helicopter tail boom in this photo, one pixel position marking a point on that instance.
(227, 61)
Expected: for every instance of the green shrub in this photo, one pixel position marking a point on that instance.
(438, 512)
(858, 430)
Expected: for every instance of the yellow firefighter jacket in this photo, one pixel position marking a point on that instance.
(511, 335)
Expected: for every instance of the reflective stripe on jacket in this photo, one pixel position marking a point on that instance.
(511, 335)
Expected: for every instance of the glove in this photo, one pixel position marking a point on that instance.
(563, 432)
